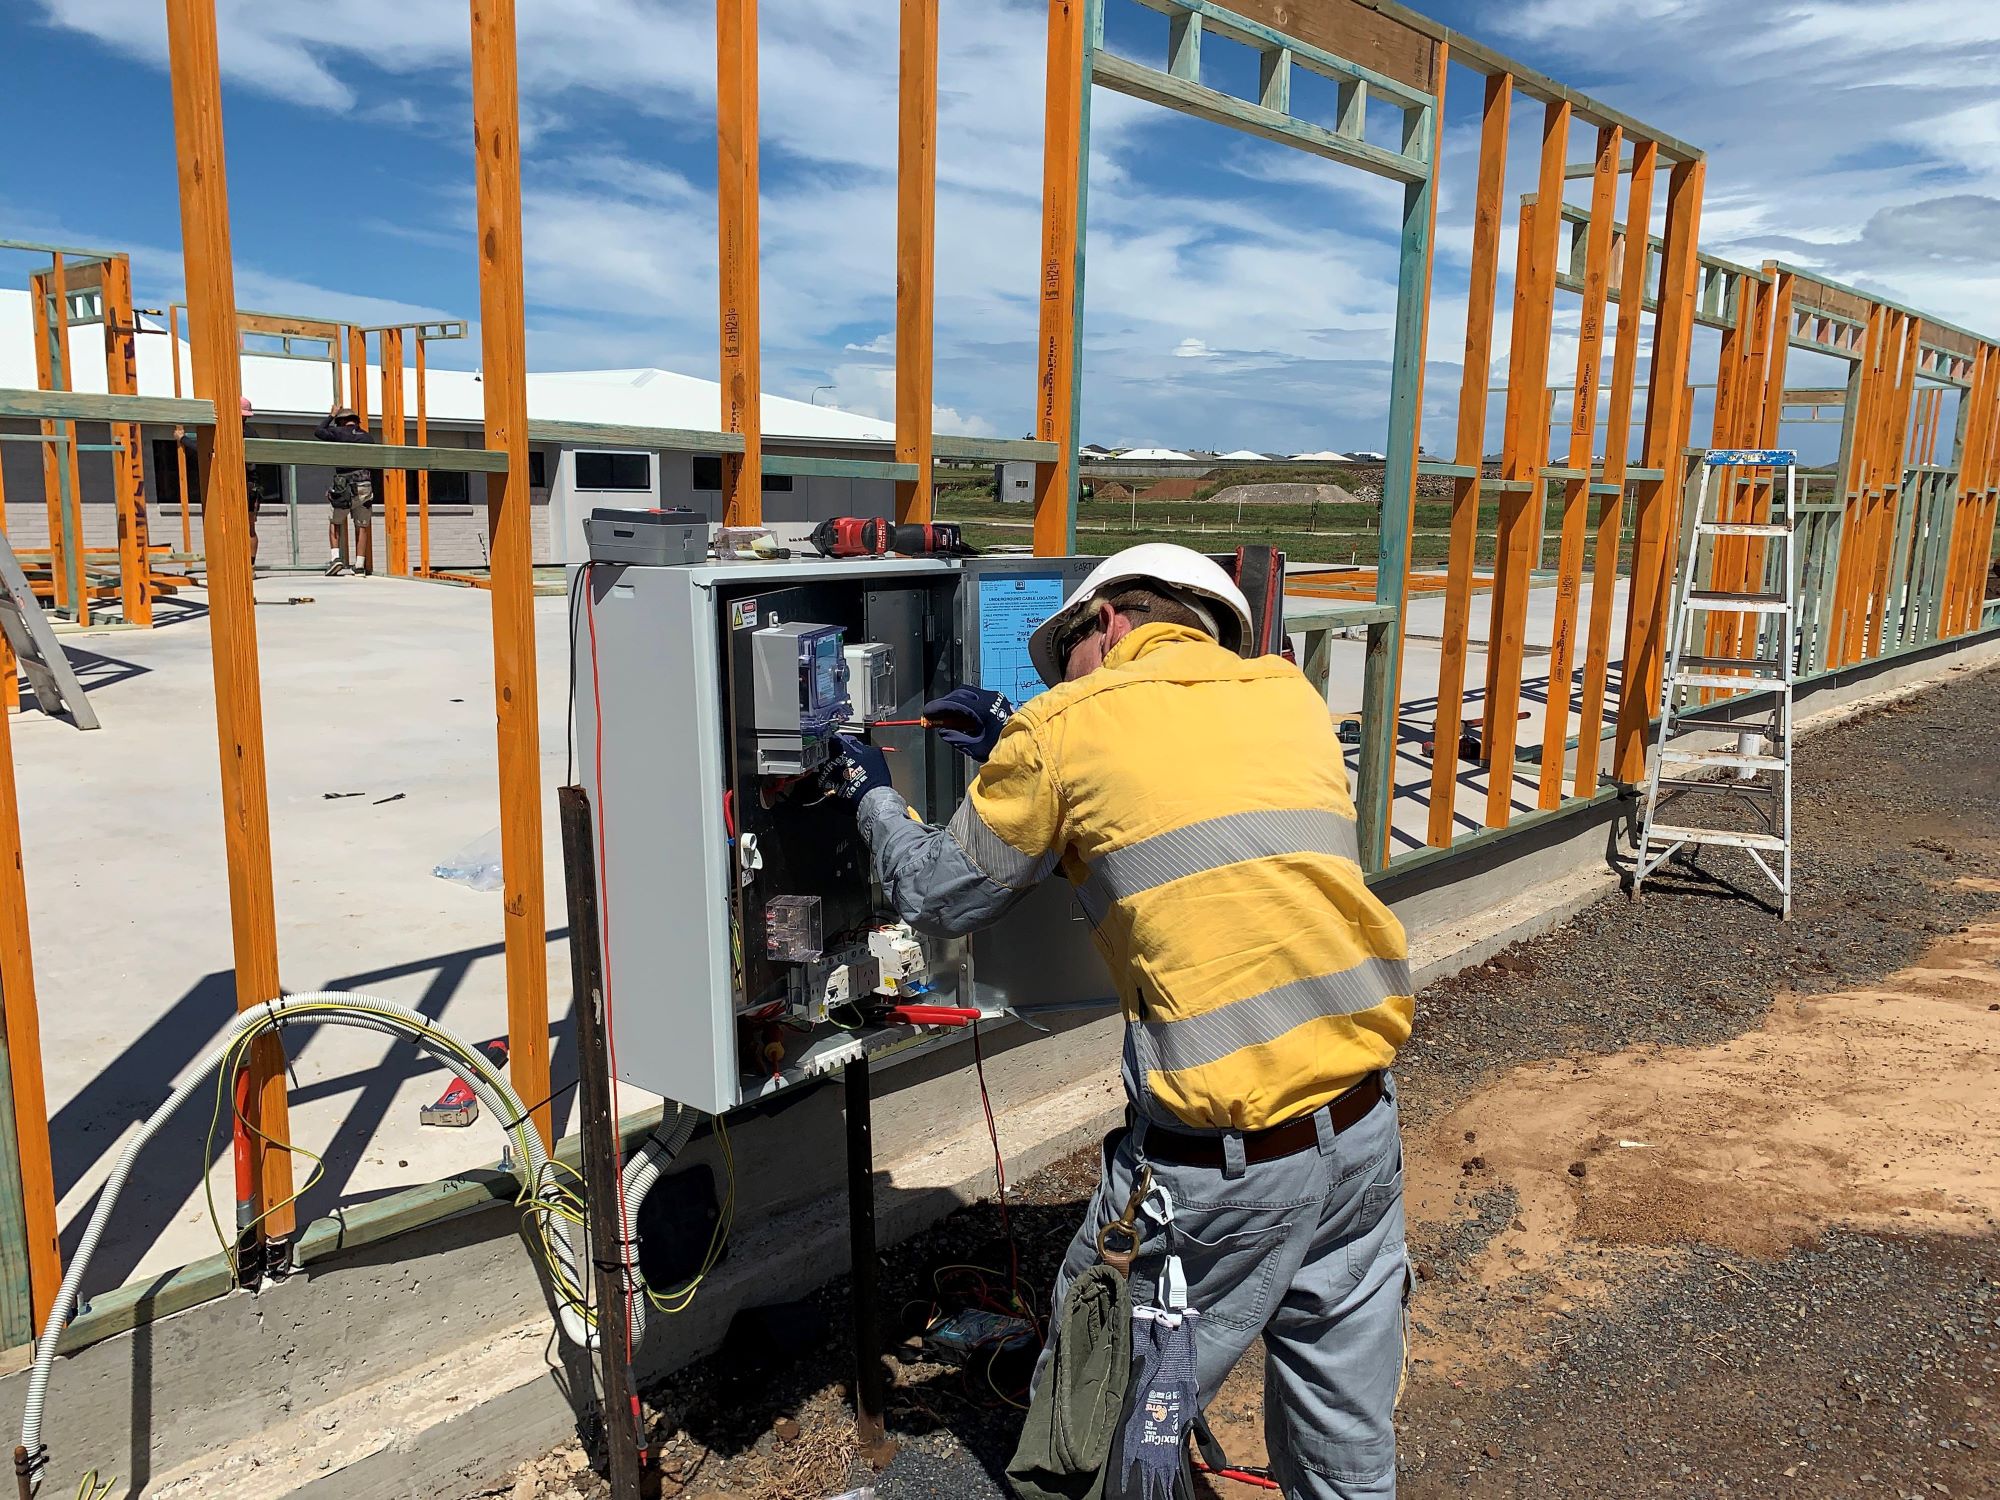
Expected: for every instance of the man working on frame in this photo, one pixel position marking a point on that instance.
(1198, 801)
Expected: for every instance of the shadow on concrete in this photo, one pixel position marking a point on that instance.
(139, 1079)
(94, 673)
(367, 1123)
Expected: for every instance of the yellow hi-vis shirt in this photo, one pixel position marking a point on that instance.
(1199, 803)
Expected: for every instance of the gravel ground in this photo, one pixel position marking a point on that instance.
(1865, 1364)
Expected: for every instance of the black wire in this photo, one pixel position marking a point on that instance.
(548, 1098)
(576, 585)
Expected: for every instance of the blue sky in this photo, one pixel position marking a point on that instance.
(1239, 294)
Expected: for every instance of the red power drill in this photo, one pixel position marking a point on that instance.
(878, 536)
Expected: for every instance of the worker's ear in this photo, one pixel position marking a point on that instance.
(1114, 625)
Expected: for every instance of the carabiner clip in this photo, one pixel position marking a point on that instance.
(1127, 1227)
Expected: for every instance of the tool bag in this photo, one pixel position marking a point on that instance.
(351, 490)
(1111, 1417)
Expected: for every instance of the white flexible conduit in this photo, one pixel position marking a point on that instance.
(641, 1172)
(338, 1008)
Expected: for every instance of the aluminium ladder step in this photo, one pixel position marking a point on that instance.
(1720, 759)
(1723, 680)
(1748, 663)
(1660, 833)
(1742, 528)
(1749, 604)
(1742, 788)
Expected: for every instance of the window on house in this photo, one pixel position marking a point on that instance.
(538, 470)
(614, 471)
(453, 487)
(708, 476)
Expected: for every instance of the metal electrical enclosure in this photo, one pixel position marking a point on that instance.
(744, 939)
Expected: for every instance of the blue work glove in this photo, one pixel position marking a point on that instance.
(969, 719)
(858, 770)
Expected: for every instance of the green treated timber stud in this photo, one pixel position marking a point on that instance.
(1274, 79)
(17, 1301)
(837, 468)
(141, 1302)
(73, 254)
(1480, 839)
(1351, 110)
(1377, 774)
(1305, 613)
(1905, 524)
(1141, 82)
(1259, 37)
(375, 455)
(1448, 471)
(998, 450)
(619, 435)
(1184, 45)
(86, 406)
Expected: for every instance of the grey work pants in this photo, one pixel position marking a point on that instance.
(1307, 1250)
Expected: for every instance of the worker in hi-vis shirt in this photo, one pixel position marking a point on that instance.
(1198, 801)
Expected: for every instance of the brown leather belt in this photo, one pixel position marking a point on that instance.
(1166, 1144)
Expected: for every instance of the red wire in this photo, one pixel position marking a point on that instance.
(610, 1030)
(1250, 1477)
(999, 1168)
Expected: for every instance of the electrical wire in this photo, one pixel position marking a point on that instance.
(999, 1166)
(546, 1196)
(597, 803)
(578, 586)
(679, 1298)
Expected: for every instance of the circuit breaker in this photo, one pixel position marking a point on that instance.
(746, 947)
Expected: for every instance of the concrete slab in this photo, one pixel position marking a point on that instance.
(372, 687)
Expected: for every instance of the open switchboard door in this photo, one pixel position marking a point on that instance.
(1041, 955)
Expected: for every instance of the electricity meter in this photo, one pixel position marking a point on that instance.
(799, 683)
(871, 681)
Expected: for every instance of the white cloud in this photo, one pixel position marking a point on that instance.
(1247, 304)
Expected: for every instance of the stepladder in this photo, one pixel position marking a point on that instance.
(34, 646)
(1722, 773)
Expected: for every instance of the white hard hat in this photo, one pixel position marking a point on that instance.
(1198, 582)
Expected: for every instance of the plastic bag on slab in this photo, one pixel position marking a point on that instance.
(476, 865)
(866, 1492)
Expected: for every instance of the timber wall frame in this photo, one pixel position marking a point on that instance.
(1894, 561)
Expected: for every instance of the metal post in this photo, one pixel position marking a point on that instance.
(876, 1445)
(623, 1421)
(292, 507)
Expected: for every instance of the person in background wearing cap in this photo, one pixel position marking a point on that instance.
(350, 498)
(1198, 802)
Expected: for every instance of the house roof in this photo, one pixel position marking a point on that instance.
(278, 387)
(1149, 455)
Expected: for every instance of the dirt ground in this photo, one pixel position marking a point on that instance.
(1701, 1204)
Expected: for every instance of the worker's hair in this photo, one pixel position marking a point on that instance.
(1150, 605)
